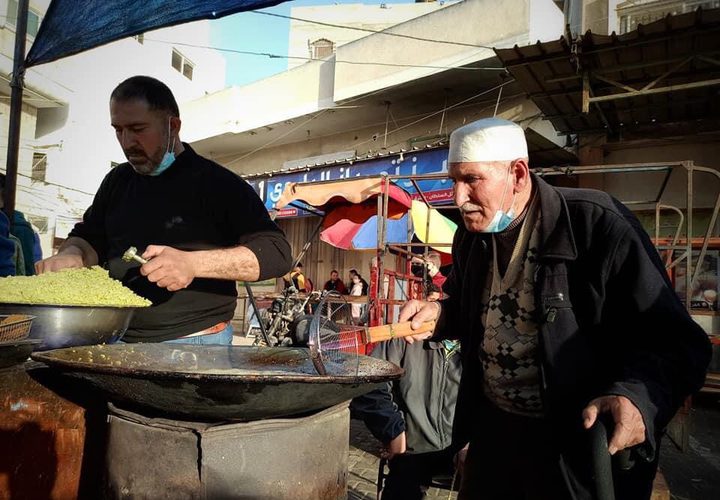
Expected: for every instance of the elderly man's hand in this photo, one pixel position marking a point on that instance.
(168, 267)
(629, 425)
(419, 311)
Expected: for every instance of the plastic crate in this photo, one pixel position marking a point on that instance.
(15, 327)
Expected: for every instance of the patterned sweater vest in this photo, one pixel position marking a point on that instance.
(509, 348)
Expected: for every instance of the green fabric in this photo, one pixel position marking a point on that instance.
(18, 257)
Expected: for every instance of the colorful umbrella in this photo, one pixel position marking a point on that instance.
(350, 235)
(439, 230)
(351, 210)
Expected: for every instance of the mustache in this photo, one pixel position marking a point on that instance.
(469, 207)
(133, 152)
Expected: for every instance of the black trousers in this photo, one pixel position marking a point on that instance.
(516, 458)
(411, 474)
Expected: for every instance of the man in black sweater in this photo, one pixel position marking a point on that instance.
(199, 225)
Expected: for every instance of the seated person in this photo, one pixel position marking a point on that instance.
(412, 417)
(296, 278)
(335, 283)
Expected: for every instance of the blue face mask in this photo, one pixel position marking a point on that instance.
(501, 220)
(167, 159)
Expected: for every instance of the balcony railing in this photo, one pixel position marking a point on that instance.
(631, 14)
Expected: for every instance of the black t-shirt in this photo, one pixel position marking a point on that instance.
(195, 205)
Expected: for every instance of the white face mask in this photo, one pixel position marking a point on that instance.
(501, 220)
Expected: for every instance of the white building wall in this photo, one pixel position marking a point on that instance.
(371, 17)
(66, 116)
(88, 141)
(303, 89)
(479, 24)
(546, 21)
(318, 85)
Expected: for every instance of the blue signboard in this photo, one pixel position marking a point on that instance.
(414, 163)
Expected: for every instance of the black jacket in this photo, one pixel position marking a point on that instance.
(610, 322)
(421, 403)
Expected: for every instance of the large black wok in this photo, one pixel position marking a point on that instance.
(65, 326)
(197, 382)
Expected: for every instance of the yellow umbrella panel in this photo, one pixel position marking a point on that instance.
(440, 230)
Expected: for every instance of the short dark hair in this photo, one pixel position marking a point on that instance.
(334, 271)
(432, 287)
(155, 93)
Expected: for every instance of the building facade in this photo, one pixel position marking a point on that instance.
(67, 144)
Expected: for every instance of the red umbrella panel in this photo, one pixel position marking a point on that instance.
(348, 205)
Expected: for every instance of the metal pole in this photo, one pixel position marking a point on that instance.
(251, 296)
(16, 85)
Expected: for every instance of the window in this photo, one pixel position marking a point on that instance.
(39, 166)
(39, 221)
(321, 48)
(181, 63)
(187, 70)
(176, 60)
(34, 18)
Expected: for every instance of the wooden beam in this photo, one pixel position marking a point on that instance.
(659, 90)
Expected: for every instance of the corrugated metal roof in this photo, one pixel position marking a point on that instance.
(673, 52)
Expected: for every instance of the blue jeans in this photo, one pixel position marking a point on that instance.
(223, 337)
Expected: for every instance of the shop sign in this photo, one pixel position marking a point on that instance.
(420, 162)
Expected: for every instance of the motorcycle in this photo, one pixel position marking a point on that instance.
(283, 318)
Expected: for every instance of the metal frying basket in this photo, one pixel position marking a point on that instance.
(334, 338)
(14, 327)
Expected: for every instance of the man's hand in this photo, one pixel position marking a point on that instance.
(419, 311)
(58, 262)
(73, 253)
(168, 267)
(397, 446)
(629, 425)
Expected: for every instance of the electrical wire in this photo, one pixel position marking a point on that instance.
(272, 141)
(444, 108)
(368, 30)
(19, 174)
(285, 134)
(337, 61)
(28, 89)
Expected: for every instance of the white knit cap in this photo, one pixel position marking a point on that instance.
(489, 139)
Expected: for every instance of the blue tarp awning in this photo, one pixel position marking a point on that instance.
(72, 26)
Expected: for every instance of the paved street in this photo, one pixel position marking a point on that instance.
(692, 475)
(363, 466)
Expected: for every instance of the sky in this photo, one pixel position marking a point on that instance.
(253, 32)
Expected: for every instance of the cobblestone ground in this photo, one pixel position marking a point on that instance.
(363, 466)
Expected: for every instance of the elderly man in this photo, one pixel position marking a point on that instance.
(565, 314)
(200, 226)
